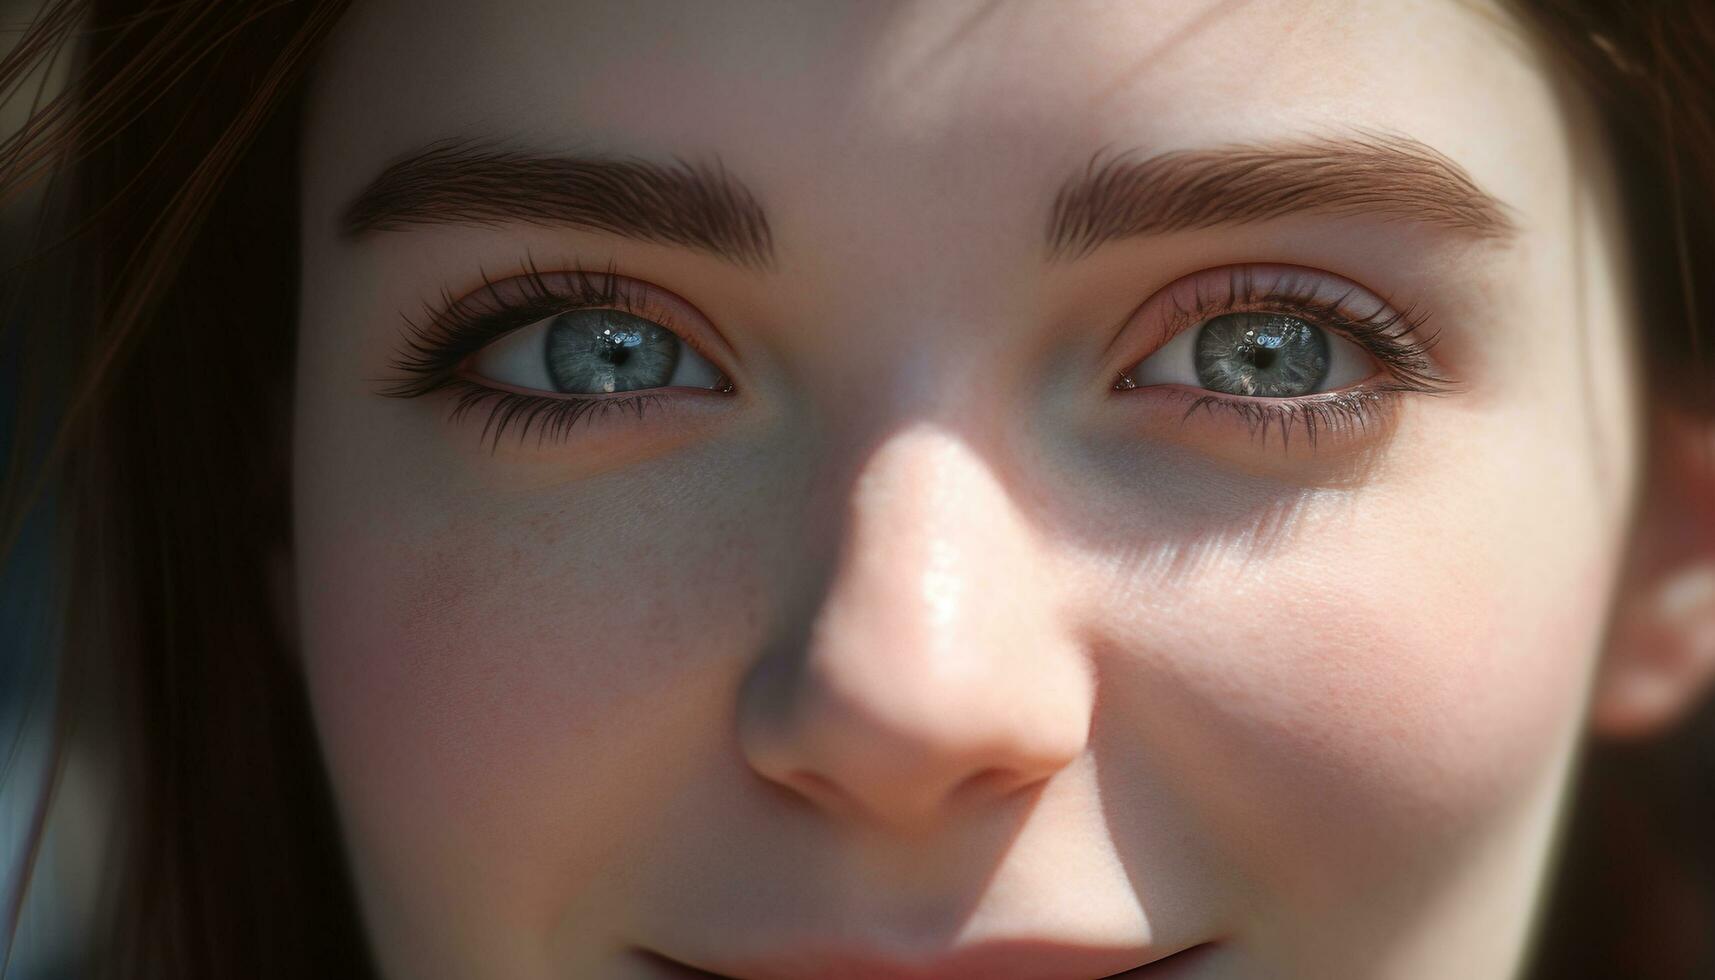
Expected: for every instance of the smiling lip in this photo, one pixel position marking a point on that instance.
(990, 961)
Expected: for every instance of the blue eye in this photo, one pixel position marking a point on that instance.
(595, 351)
(1259, 355)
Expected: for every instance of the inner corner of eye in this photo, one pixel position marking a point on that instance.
(1172, 363)
(515, 359)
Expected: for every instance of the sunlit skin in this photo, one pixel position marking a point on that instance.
(927, 650)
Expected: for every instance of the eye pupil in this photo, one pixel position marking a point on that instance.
(1267, 355)
(614, 346)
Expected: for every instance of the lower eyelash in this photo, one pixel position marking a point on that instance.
(553, 419)
(1318, 416)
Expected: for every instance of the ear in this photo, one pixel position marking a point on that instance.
(1661, 654)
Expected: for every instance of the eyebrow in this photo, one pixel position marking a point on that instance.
(467, 182)
(1386, 176)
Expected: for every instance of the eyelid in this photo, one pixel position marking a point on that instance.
(534, 296)
(1386, 333)
(434, 352)
(438, 347)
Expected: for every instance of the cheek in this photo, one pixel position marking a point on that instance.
(506, 694)
(1352, 713)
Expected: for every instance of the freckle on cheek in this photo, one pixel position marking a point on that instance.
(463, 673)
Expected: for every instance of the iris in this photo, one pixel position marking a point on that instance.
(1267, 355)
(606, 350)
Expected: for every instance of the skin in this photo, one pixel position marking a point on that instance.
(925, 642)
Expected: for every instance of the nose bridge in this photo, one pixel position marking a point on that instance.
(923, 512)
(934, 668)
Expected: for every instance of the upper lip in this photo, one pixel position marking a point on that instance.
(994, 960)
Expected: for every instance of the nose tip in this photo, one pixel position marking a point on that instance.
(935, 675)
(906, 770)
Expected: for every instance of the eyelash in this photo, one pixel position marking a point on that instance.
(1393, 337)
(452, 331)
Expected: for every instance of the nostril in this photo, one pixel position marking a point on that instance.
(990, 784)
(815, 782)
(995, 782)
(991, 779)
(819, 789)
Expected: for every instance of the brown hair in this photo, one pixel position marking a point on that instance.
(165, 176)
(171, 179)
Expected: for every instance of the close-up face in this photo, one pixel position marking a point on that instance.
(932, 489)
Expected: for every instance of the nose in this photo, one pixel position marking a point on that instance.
(935, 674)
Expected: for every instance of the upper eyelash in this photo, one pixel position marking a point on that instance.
(1393, 337)
(452, 330)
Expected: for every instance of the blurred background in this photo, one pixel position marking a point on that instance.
(52, 923)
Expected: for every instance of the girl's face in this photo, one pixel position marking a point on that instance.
(1055, 487)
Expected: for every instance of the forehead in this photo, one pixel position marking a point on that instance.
(935, 100)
